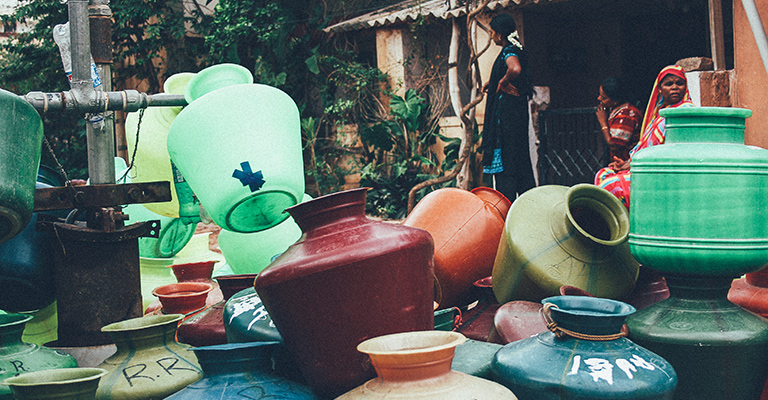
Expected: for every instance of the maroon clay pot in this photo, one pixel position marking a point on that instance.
(568, 290)
(182, 298)
(231, 284)
(206, 328)
(517, 320)
(751, 292)
(466, 231)
(348, 278)
(650, 289)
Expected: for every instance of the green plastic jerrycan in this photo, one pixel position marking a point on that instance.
(21, 137)
(238, 145)
(555, 236)
(152, 162)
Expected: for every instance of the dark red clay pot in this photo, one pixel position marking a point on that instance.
(348, 278)
(206, 328)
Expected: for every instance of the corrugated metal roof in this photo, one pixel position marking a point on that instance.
(410, 10)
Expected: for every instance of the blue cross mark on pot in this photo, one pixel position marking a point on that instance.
(254, 180)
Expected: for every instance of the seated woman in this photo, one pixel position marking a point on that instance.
(670, 90)
(619, 119)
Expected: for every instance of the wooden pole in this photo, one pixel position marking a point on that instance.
(716, 34)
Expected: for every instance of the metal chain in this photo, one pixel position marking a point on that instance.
(135, 146)
(67, 181)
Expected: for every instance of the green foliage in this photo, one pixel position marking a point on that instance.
(402, 156)
(31, 62)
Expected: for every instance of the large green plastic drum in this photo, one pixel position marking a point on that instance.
(699, 202)
(238, 145)
(21, 137)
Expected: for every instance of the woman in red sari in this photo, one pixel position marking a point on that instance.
(670, 90)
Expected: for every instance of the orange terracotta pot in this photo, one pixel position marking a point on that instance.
(182, 298)
(495, 198)
(193, 272)
(417, 365)
(466, 230)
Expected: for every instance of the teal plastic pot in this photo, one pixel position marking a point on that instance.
(716, 347)
(56, 384)
(548, 367)
(698, 201)
(17, 357)
(21, 137)
(241, 371)
(247, 320)
(238, 145)
(555, 236)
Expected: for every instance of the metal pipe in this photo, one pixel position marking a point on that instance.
(101, 156)
(126, 100)
(80, 53)
(757, 30)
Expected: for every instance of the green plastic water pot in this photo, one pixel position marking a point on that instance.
(173, 236)
(698, 202)
(21, 137)
(152, 162)
(239, 148)
(250, 253)
(556, 235)
(56, 384)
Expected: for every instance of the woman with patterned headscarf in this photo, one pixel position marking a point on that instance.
(505, 146)
(670, 90)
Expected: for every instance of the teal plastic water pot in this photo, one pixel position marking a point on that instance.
(238, 145)
(584, 356)
(21, 137)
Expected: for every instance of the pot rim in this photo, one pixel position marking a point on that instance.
(411, 342)
(147, 321)
(189, 289)
(61, 376)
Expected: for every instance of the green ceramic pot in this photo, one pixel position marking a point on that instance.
(21, 138)
(17, 357)
(149, 362)
(56, 384)
(555, 236)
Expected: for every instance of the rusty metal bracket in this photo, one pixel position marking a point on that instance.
(149, 229)
(89, 196)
